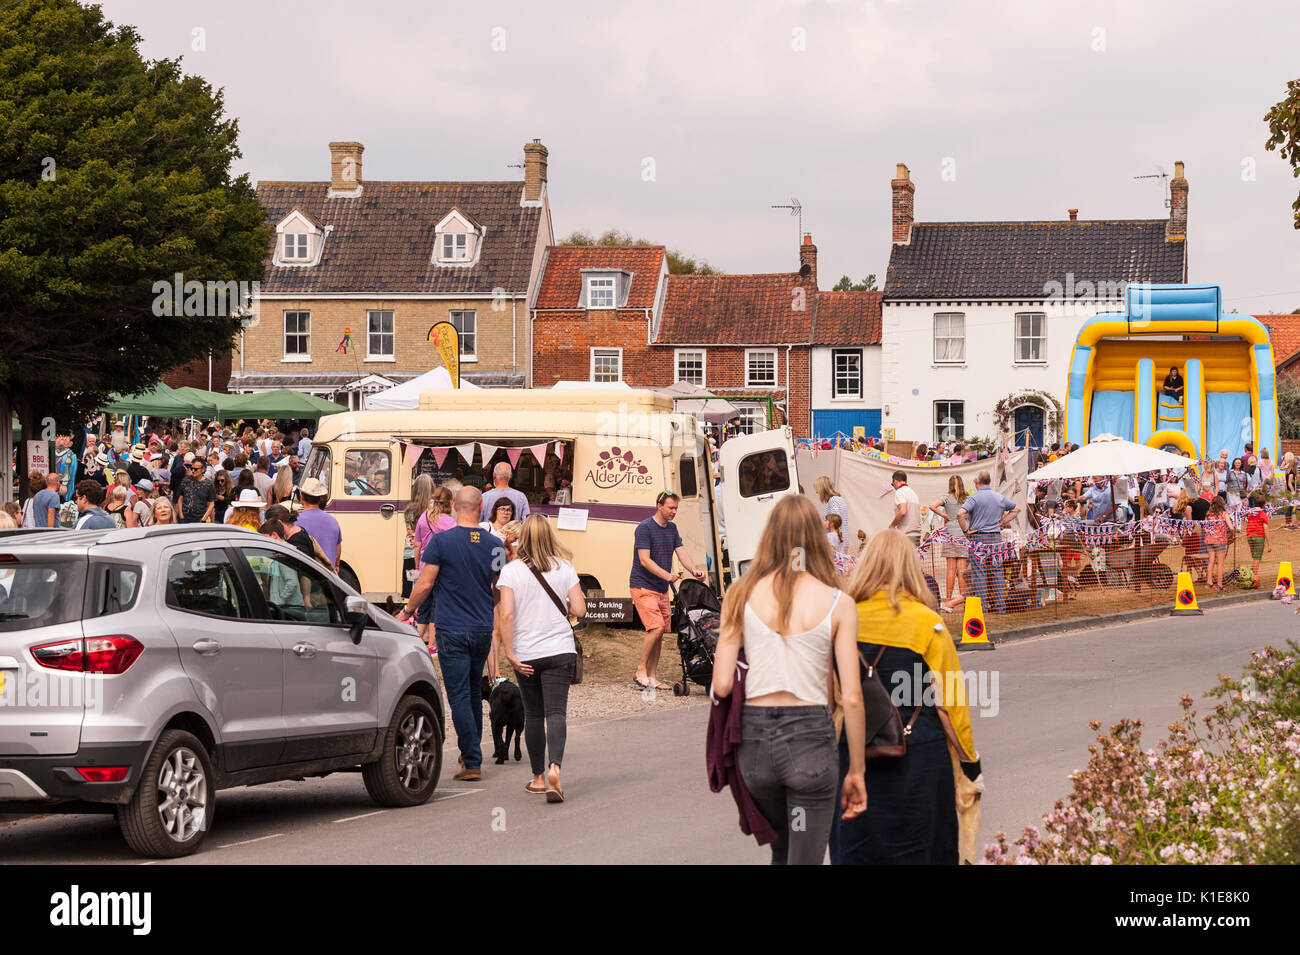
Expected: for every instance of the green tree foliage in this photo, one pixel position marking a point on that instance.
(846, 284)
(1288, 407)
(115, 176)
(1284, 133)
(678, 262)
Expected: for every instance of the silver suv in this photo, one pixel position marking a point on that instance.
(142, 670)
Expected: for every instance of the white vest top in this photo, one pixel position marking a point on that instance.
(798, 664)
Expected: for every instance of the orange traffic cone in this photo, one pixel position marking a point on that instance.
(1285, 578)
(974, 633)
(1185, 598)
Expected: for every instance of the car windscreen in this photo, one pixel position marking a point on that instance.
(40, 592)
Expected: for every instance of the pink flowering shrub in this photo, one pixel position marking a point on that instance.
(1229, 796)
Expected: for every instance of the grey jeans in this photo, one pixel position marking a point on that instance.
(790, 766)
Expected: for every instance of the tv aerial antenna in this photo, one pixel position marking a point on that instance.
(796, 209)
(1162, 175)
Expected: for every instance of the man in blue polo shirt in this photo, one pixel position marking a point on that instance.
(461, 565)
(656, 541)
(982, 518)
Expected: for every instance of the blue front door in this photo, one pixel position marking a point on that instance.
(1029, 418)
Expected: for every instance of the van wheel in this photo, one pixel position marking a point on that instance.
(172, 808)
(407, 772)
(349, 578)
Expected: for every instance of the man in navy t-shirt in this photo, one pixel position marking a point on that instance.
(461, 566)
(652, 562)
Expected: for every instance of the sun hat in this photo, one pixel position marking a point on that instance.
(283, 462)
(144, 484)
(248, 498)
(101, 459)
(137, 453)
(314, 487)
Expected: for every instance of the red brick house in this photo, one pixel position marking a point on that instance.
(613, 313)
(1284, 333)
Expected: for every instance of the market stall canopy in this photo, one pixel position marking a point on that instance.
(281, 403)
(160, 401)
(210, 399)
(1108, 455)
(700, 402)
(407, 394)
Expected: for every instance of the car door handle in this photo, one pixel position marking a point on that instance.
(207, 647)
(304, 650)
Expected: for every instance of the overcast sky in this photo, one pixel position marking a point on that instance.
(683, 122)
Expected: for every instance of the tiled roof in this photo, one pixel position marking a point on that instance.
(382, 241)
(847, 318)
(1284, 333)
(736, 310)
(561, 282)
(1017, 259)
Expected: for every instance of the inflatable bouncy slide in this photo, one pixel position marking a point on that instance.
(1120, 360)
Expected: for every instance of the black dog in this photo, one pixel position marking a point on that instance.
(506, 707)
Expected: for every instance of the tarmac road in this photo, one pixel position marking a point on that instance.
(636, 785)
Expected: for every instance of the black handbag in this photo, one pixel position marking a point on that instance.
(886, 734)
(564, 612)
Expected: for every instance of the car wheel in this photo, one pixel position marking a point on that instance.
(407, 772)
(348, 577)
(172, 808)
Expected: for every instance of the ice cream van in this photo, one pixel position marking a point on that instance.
(592, 461)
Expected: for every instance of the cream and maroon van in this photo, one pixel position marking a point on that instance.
(593, 461)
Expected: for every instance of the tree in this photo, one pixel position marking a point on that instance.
(678, 263)
(1288, 407)
(846, 284)
(1284, 133)
(116, 177)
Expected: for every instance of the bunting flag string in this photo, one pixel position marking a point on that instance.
(466, 452)
(559, 450)
(539, 452)
(439, 455)
(488, 450)
(513, 454)
(413, 454)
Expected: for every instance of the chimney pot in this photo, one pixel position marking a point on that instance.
(904, 191)
(1074, 215)
(345, 167)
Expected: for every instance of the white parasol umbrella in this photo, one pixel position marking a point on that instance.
(1109, 455)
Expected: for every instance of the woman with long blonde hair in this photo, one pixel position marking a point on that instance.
(786, 614)
(913, 817)
(282, 487)
(539, 644)
(436, 519)
(955, 549)
(832, 501)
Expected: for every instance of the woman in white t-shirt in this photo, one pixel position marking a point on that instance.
(539, 644)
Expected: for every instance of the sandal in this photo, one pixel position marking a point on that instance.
(536, 792)
(553, 791)
(638, 685)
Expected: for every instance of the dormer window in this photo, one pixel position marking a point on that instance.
(600, 292)
(455, 247)
(295, 247)
(457, 240)
(298, 240)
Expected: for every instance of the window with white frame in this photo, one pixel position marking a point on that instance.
(600, 291)
(455, 247)
(949, 420)
(1031, 337)
(297, 336)
(607, 364)
(466, 323)
(295, 248)
(949, 337)
(690, 366)
(379, 335)
(760, 368)
(753, 417)
(847, 378)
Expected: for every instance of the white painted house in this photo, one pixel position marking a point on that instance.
(981, 314)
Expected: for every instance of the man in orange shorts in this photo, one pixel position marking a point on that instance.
(656, 541)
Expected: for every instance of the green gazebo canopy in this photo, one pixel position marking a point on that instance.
(281, 403)
(160, 401)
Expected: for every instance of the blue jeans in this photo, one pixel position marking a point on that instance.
(462, 654)
(985, 570)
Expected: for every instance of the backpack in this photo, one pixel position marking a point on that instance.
(886, 734)
(119, 517)
(68, 514)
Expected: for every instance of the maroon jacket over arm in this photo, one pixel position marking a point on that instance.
(720, 748)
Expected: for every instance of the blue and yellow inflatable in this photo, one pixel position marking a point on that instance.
(1120, 361)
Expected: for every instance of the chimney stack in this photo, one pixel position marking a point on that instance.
(808, 262)
(1074, 215)
(534, 170)
(903, 193)
(345, 168)
(1176, 230)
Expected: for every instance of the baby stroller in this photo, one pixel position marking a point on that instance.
(696, 617)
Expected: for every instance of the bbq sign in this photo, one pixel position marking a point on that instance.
(617, 467)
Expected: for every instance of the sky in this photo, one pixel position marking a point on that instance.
(685, 122)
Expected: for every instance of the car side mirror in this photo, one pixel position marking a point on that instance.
(358, 614)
